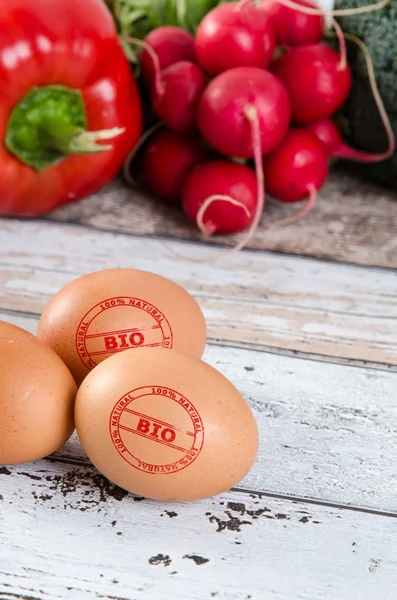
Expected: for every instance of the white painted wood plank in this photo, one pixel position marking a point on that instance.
(261, 299)
(65, 533)
(327, 431)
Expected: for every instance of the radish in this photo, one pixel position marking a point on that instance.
(294, 27)
(328, 133)
(170, 44)
(167, 160)
(245, 112)
(220, 196)
(297, 168)
(175, 99)
(317, 78)
(227, 102)
(230, 37)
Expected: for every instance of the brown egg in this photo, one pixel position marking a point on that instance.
(165, 425)
(110, 311)
(37, 398)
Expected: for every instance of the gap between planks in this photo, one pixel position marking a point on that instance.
(16, 316)
(254, 300)
(251, 492)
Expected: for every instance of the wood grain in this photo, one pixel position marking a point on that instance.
(262, 300)
(77, 536)
(353, 221)
(327, 431)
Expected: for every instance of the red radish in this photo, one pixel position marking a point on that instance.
(171, 44)
(328, 133)
(221, 196)
(228, 37)
(167, 160)
(297, 168)
(224, 106)
(176, 99)
(317, 78)
(294, 27)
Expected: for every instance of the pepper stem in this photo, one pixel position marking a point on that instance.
(50, 124)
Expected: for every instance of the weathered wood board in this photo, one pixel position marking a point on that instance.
(261, 300)
(353, 221)
(77, 536)
(312, 346)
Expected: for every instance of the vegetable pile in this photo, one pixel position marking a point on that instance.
(245, 98)
(250, 101)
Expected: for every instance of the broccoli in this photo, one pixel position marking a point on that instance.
(378, 30)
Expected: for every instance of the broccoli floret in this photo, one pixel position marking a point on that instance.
(378, 30)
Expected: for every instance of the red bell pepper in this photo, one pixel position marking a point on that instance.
(65, 86)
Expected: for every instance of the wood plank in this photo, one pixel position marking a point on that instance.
(66, 533)
(353, 221)
(263, 300)
(327, 431)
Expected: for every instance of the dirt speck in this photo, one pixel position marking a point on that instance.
(4, 471)
(199, 560)
(373, 565)
(160, 559)
(171, 513)
(231, 524)
(304, 520)
(237, 507)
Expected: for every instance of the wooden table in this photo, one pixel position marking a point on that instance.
(305, 324)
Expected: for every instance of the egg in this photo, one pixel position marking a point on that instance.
(165, 426)
(37, 398)
(107, 312)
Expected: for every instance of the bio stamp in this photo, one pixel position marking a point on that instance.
(156, 430)
(120, 323)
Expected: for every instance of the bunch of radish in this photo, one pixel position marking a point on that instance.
(246, 103)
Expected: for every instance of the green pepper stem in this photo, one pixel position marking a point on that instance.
(69, 139)
(50, 124)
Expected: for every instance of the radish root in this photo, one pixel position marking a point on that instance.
(127, 165)
(251, 114)
(158, 84)
(210, 228)
(342, 45)
(305, 210)
(329, 13)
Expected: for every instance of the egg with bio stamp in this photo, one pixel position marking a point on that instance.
(36, 400)
(165, 426)
(110, 311)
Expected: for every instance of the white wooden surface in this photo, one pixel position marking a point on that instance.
(318, 367)
(327, 431)
(77, 537)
